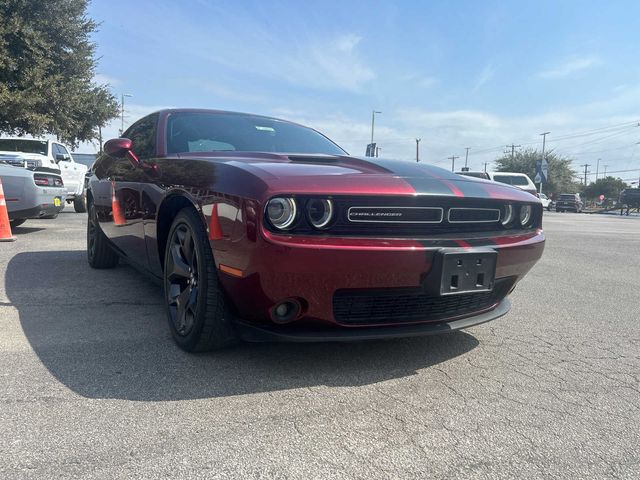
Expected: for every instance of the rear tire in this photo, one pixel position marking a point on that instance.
(80, 204)
(197, 310)
(17, 222)
(99, 252)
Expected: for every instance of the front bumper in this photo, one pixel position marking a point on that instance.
(312, 270)
(253, 333)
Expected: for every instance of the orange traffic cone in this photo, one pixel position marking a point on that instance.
(118, 216)
(5, 226)
(215, 230)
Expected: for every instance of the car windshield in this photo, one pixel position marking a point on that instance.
(567, 197)
(24, 146)
(219, 132)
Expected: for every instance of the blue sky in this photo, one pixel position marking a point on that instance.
(455, 74)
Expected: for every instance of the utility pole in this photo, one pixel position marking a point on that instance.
(373, 120)
(544, 139)
(513, 149)
(466, 157)
(597, 169)
(100, 137)
(418, 149)
(605, 171)
(585, 173)
(453, 162)
(485, 167)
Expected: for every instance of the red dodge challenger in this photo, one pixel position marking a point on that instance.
(261, 229)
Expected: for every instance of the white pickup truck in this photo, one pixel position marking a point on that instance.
(47, 155)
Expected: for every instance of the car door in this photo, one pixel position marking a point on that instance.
(124, 225)
(69, 177)
(76, 174)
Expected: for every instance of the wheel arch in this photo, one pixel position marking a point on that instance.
(167, 212)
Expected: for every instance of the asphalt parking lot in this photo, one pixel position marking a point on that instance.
(94, 387)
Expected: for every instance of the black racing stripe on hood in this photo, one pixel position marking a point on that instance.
(424, 179)
(429, 179)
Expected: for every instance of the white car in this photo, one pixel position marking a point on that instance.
(49, 155)
(546, 201)
(519, 180)
(31, 194)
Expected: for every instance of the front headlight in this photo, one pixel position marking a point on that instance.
(525, 215)
(281, 212)
(320, 212)
(508, 215)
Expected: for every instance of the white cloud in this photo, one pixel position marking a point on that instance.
(570, 67)
(102, 79)
(485, 75)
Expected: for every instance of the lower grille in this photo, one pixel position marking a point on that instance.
(400, 305)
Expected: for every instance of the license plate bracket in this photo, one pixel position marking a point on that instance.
(458, 271)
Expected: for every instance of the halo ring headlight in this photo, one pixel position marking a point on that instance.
(525, 214)
(320, 212)
(508, 215)
(281, 212)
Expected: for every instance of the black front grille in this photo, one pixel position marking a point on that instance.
(401, 305)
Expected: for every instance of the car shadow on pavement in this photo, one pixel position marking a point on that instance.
(103, 334)
(24, 230)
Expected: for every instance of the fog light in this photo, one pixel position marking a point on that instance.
(285, 311)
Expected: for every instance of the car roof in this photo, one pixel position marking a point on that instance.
(168, 111)
(512, 174)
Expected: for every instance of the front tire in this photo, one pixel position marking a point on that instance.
(198, 314)
(80, 204)
(99, 252)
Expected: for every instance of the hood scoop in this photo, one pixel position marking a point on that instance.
(313, 158)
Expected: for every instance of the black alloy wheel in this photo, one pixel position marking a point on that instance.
(182, 277)
(197, 311)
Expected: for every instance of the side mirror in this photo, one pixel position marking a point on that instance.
(121, 148)
(62, 157)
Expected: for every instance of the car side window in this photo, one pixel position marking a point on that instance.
(57, 148)
(143, 136)
(63, 149)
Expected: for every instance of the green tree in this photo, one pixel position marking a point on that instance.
(561, 174)
(610, 187)
(47, 66)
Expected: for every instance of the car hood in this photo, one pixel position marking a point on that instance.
(309, 174)
(22, 155)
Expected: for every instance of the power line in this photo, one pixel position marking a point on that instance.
(513, 149)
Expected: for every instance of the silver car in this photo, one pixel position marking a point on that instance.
(31, 193)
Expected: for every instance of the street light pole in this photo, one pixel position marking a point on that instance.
(122, 111)
(466, 157)
(418, 149)
(373, 120)
(597, 169)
